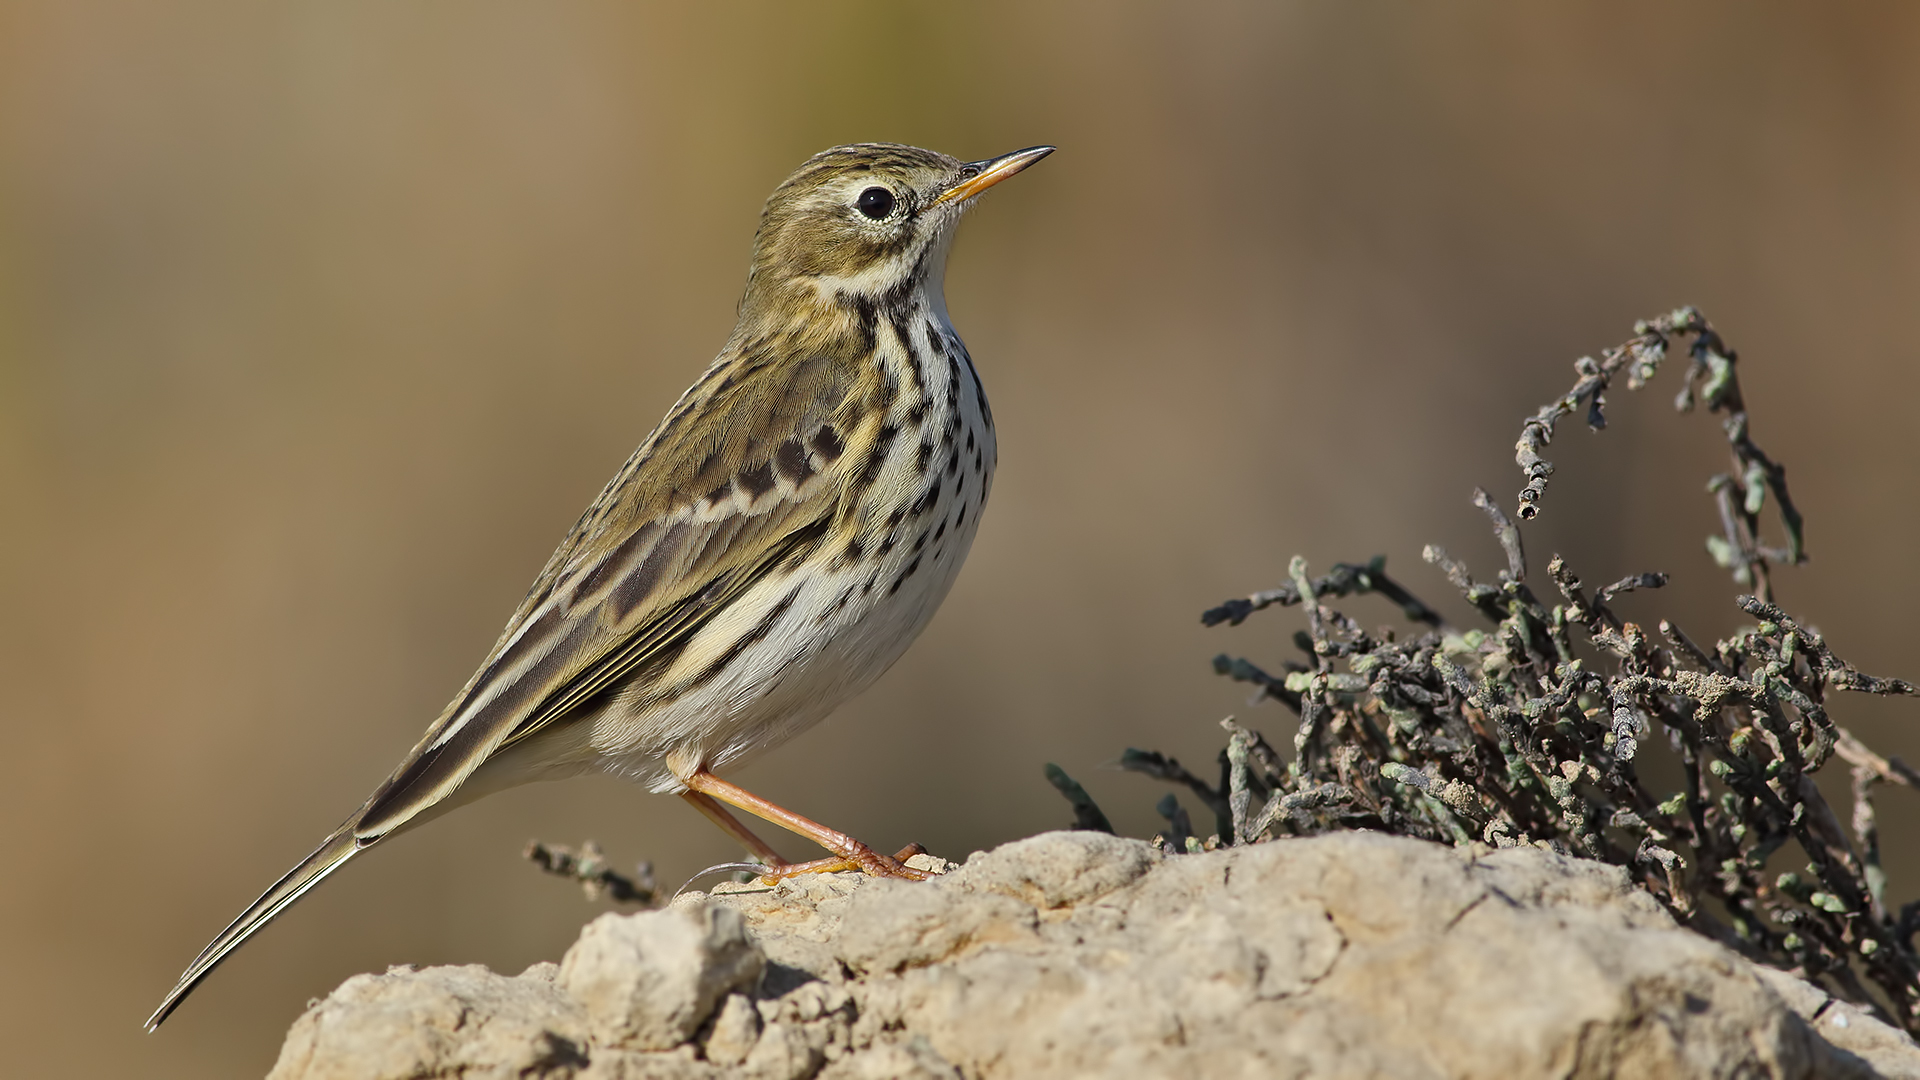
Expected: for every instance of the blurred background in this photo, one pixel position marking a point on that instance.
(321, 322)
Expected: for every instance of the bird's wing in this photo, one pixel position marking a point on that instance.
(746, 473)
(749, 469)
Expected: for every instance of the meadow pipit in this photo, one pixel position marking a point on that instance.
(768, 552)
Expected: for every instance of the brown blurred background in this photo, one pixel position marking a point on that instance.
(319, 323)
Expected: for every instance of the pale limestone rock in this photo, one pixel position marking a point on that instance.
(932, 864)
(1056, 869)
(784, 1052)
(648, 981)
(442, 1022)
(910, 1060)
(1077, 954)
(735, 1029)
(680, 1063)
(1857, 1045)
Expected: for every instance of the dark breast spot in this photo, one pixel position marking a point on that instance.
(905, 333)
(876, 457)
(864, 314)
(926, 455)
(791, 460)
(927, 498)
(758, 480)
(904, 575)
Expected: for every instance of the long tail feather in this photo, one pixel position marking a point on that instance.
(325, 859)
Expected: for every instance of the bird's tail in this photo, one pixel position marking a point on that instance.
(325, 859)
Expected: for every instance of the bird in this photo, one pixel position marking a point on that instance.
(768, 551)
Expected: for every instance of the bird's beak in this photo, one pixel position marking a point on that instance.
(981, 175)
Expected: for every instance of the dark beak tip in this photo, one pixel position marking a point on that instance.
(1029, 155)
(978, 176)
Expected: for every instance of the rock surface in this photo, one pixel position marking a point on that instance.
(649, 981)
(1081, 954)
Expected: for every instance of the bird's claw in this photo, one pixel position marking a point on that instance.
(861, 858)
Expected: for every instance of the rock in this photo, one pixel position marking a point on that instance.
(904, 924)
(1055, 870)
(1857, 1045)
(446, 1021)
(735, 1030)
(648, 981)
(913, 1060)
(1080, 954)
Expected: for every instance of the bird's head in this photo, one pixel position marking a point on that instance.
(867, 220)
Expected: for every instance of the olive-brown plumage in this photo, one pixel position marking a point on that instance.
(768, 551)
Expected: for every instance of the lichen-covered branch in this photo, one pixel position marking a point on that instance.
(1535, 729)
(1740, 494)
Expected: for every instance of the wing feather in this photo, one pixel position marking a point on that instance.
(683, 529)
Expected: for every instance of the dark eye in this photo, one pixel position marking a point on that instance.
(875, 202)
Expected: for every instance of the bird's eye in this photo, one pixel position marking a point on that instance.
(875, 202)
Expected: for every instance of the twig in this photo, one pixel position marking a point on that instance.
(1346, 579)
(1504, 531)
(1162, 767)
(1739, 495)
(590, 869)
(1086, 812)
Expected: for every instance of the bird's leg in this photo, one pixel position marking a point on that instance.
(733, 827)
(717, 813)
(848, 852)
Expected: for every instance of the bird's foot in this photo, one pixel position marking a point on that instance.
(860, 857)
